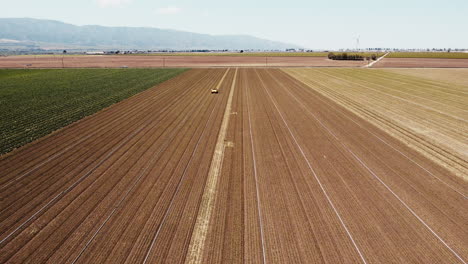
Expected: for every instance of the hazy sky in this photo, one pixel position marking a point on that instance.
(309, 23)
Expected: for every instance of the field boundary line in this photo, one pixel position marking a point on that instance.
(314, 173)
(197, 242)
(378, 178)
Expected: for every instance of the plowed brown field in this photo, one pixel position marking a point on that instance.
(108, 61)
(299, 178)
(430, 116)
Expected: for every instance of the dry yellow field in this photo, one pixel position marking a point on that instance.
(451, 76)
(428, 115)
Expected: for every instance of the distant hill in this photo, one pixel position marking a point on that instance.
(38, 33)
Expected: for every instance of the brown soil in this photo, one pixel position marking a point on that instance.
(302, 180)
(429, 116)
(93, 61)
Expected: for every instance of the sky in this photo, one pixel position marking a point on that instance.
(331, 24)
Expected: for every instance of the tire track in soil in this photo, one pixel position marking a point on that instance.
(197, 244)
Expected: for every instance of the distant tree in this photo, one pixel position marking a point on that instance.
(64, 51)
(374, 57)
(242, 51)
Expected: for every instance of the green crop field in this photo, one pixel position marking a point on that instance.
(33, 103)
(435, 55)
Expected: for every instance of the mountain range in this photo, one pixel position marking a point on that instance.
(16, 33)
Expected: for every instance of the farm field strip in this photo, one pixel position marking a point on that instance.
(276, 168)
(397, 148)
(330, 202)
(363, 163)
(449, 77)
(437, 91)
(135, 61)
(197, 242)
(447, 103)
(441, 139)
(401, 95)
(453, 183)
(380, 169)
(257, 195)
(418, 140)
(389, 62)
(236, 233)
(409, 114)
(443, 121)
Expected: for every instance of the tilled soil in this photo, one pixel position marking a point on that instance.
(302, 180)
(428, 115)
(109, 61)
